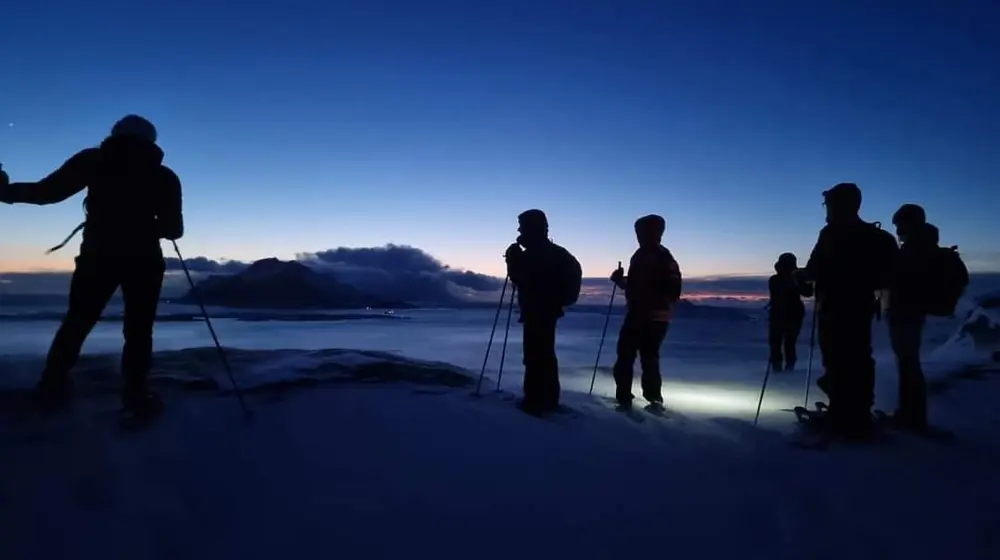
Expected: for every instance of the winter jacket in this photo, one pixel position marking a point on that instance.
(653, 284)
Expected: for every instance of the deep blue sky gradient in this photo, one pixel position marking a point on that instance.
(302, 125)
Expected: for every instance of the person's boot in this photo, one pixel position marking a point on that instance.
(53, 392)
(790, 366)
(140, 403)
(776, 365)
(551, 407)
(624, 403)
(531, 407)
(655, 402)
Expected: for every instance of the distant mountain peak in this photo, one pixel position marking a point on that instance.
(275, 284)
(266, 268)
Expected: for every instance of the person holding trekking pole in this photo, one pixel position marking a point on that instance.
(547, 279)
(851, 261)
(652, 288)
(785, 312)
(132, 202)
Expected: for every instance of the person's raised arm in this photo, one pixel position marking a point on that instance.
(71, 178)
(814, 266)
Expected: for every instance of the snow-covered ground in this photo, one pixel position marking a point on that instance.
(362, 454)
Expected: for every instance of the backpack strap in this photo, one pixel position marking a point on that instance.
(67, 240)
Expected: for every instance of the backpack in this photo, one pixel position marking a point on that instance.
(946, 282)
(572, 279)
(882, 257)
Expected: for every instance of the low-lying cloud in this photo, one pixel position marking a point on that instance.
(397, 272)
(206, 265)
(400, 272)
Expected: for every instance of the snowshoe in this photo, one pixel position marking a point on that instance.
(656, 408)
(528, 408)
(817, 440)
(811, 419)
(894, 423)
(537, 410)
(624, 407)
(814, 432)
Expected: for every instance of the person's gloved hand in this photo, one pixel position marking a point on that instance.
(618, 275)
(4, 181)
(513, 252)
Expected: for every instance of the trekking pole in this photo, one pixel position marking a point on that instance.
(496, 319)
(760, 401)
(211, 330)
(503, 352)
(812, 347)
(607, 318)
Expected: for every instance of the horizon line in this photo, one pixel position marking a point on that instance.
(700, 277)
(724, 276)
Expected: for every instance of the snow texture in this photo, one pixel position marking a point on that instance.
(977, 338)
(384, 456)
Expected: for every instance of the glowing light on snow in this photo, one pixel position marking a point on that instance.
(709, 399)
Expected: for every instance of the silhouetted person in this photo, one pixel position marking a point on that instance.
(547, 278)
(907, 312)
(652, 287)
(852, 259)
(785, 312)
(927, 280)
(132, 202)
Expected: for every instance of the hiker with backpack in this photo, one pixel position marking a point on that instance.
(547, 279)
(132, 202)
(926, 280)
(785, 312)
(851, 261)
(652, 288)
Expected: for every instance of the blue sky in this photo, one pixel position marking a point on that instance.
(299, 126)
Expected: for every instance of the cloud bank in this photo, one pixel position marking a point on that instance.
(392, 272)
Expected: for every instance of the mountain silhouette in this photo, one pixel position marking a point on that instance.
(275, 284)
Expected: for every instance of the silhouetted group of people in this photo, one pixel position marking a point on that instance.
(548, 279)
(855, 270)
